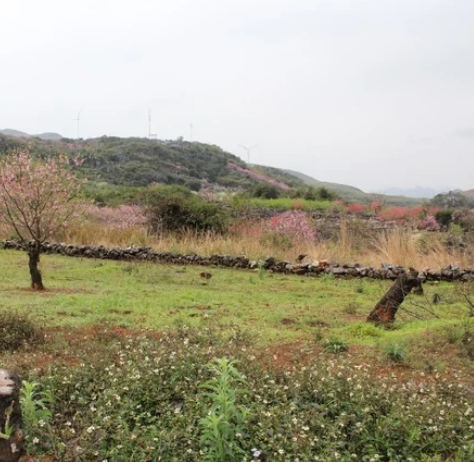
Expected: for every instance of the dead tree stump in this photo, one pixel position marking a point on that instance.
(386, 309)
(11, 436)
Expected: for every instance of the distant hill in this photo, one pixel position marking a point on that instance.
(419, 192)
(143, 162)
(15, 133)
(353, 194)
(19, 134)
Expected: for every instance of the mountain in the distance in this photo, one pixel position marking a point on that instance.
(418, 191)
(353, 194)
(18, 134)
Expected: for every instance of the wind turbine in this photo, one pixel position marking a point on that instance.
(78, 120)
(151, 136)
(248, 149)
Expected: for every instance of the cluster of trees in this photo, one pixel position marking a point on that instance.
(310, 193)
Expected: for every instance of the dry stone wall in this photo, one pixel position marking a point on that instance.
(313, 268)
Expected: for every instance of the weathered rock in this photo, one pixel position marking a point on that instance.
(11, 438)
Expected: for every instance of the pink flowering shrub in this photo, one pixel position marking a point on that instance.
(393, 213)
(375, 206)
(356, 208)
(122, 217)
(420, 212)
(429, 223)
(290, 227)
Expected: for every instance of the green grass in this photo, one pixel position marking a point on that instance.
(349, 390)
(273, 307)
(289, 204)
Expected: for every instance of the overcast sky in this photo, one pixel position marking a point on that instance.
(372, 93)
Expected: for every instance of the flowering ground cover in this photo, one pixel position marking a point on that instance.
(145, 362)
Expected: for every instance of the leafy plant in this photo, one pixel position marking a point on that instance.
(225, 419)
(36, 415)
(335, 345)
(34, 405)
(395, 352)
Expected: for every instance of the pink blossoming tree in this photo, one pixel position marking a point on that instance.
(37, 199)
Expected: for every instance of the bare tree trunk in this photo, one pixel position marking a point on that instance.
(386, 309)
(34, 258)
(11, 436)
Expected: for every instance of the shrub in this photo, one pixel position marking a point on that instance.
(266, 191)
(429, 223)
(444, 217)
(356, 208)
(290, 227)
(17, 330)
(393, 213)
(464, 217)
(176, 209)
(121, 217)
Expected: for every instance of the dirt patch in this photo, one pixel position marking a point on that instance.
(288, 321)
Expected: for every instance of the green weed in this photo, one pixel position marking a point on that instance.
(225, 419)
(395, 352)
(335, 345)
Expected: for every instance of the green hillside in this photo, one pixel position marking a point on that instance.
(352, 194)
(140, 162)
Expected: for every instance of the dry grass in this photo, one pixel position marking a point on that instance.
(399, 246)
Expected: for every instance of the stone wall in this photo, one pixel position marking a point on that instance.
(313, 268)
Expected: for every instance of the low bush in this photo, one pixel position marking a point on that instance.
(290, 227)
(18, 330)
(177, 209)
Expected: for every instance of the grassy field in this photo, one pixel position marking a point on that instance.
(273, 307)
(147, 362)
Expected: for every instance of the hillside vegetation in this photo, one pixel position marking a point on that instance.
(139, 162)
(352, 194)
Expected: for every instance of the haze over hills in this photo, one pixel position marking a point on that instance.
(19, 134)
(141, 162)
(353, 194)
(418, 192)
